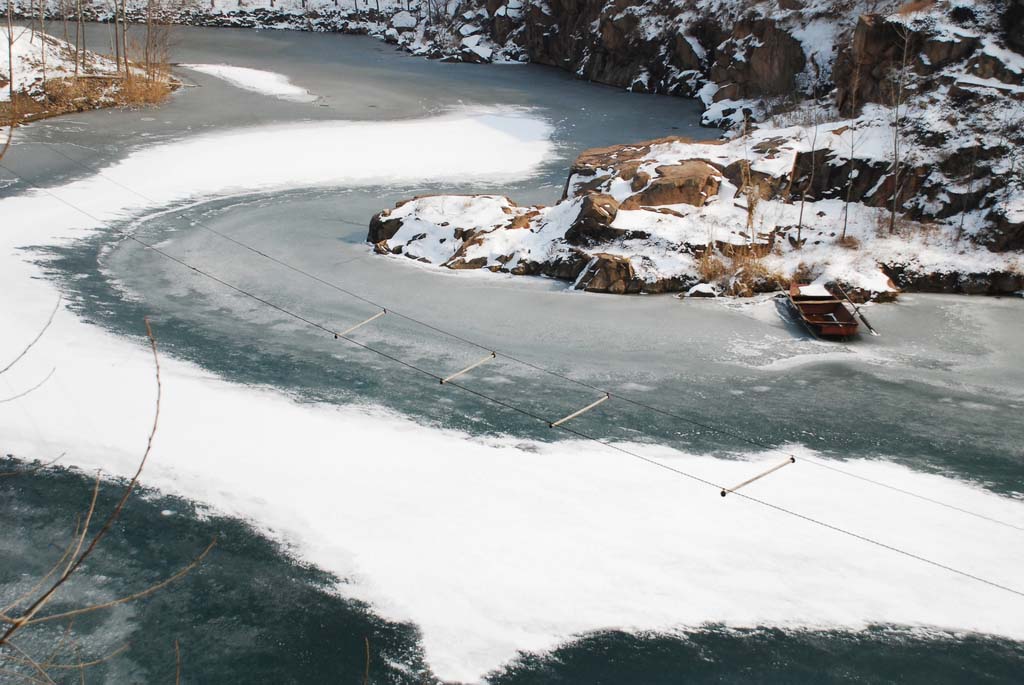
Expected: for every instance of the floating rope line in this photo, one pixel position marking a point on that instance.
(536, 367)
(559, 422)
(360, 324)
(726, 491)
(525, 412)
(472, 366)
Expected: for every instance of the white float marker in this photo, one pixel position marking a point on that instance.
(573, 415)
(472, 366)
(360, 324)
(773, 469)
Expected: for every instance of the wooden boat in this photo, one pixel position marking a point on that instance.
(825, 315)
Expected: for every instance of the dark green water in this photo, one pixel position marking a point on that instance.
(250, 613)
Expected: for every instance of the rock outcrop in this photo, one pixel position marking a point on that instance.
(668, 214)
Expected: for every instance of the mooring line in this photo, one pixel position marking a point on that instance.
(449, 379)
(578, 412)
(726, 491)
(618, 448)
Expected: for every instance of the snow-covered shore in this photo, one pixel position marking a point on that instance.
(37, 56)
(48, 77)
(480, 543)
(670, 214)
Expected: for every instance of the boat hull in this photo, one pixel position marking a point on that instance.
(822, 313)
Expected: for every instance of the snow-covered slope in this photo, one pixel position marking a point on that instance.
(38, 57)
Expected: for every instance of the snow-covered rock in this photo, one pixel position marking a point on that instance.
(667, 214)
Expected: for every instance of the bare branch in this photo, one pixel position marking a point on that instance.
(68, 552)
(36, 339)
(30, 390)
(132, 597)
(27, 678)
(94, 662)
(48, 661)
(31, 662)
(76, 562)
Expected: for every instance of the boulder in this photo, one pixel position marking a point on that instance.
(593, 223)
(403, 21)
(382, 228)
(941, 52)
(994, 283)
(691, 183)
(1004, 235)
(987, 66)
(607, 273)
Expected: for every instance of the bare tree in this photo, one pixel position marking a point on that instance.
(855, 86)
(751, 192)
(816, 121)
(898, 114)
(79, 35)
(970, 189)
(117, 37)
(124, 36)
(13, 106)
(42, 39)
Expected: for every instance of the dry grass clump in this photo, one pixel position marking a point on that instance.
(743, 275)
(849, 242)
(65, 95)
(914, 7)
(710, 267)
(750, 275)
(145, 90)
(803, 273)
(21, 108)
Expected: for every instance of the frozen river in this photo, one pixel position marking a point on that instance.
(454, 532)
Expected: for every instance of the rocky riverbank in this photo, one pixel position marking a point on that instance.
(860, 138)
(669, 215)
(903, 167)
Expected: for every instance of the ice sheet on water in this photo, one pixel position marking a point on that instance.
(494, 546)
(256, 80)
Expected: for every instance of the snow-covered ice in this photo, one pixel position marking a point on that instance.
(256, 80)
(489, 546)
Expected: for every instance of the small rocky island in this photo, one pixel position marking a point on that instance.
(899, 164)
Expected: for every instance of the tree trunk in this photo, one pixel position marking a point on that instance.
(896, 141)
(149, 38)
(124, 36)
(10, 76)
(78, 25)
(42, 39)
(117, 40)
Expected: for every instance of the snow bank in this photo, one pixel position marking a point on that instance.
(490, 547)
(256, 80)
(34, 57)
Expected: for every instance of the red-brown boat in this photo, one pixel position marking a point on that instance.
(825, 315)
